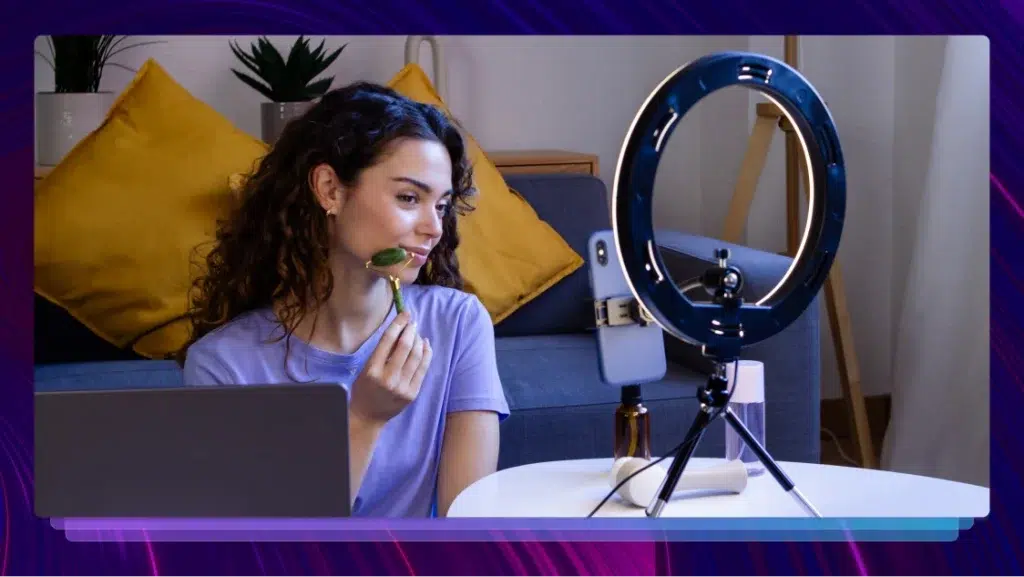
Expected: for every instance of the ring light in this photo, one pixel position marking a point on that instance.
(725, 325)
(726, 329)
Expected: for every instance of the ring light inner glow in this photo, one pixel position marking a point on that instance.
(809, 167)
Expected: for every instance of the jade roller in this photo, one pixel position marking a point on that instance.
(387, 258)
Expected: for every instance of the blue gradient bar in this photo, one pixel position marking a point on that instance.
(498, 530)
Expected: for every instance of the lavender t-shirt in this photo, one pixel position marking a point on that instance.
(401, 478)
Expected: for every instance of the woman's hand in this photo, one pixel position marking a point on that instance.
(392, 376)
(389, 381)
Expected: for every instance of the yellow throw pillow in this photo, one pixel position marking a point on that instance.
(507, 254)
(118, 222)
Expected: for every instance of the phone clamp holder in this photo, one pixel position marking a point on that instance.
(620, 311)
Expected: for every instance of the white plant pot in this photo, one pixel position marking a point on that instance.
(274, 116)
(64, 119)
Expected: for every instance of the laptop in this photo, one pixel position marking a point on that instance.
(194, 452)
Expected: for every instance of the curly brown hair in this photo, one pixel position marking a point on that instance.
(272, 250)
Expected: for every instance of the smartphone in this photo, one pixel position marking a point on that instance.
(628, 354)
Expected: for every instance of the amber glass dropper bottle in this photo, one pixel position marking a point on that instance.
(632, 425)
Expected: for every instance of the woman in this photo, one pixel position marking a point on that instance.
(288, 297)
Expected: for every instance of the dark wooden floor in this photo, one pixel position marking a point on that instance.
(834, 418)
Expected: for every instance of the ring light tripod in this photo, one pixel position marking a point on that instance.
(726, 324)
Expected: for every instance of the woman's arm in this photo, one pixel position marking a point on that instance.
(476, 406)
(469, 453)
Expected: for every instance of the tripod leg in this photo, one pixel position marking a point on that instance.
(769, 463)
(675, 471)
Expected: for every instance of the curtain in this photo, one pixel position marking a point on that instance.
(940, 399)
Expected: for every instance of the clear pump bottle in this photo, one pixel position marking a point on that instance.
(747, 403)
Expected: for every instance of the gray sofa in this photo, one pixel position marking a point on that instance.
(547, 353)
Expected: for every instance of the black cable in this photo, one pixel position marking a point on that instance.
(679, 447)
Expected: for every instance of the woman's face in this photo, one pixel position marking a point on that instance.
(398, 202)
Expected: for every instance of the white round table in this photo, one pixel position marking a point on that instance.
(570, 489)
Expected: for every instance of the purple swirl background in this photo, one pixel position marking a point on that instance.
(30, 546)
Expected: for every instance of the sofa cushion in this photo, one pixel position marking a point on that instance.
(114, 375)
(561, 409)
(576, 205)
(117, 224)
(562, 371)
(687, 256)
(587, 432)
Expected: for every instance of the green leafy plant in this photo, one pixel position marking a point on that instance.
(281, 80)
(387, 258)
(78, 61)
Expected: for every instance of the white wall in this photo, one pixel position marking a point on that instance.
(581, 93)
(856, 78)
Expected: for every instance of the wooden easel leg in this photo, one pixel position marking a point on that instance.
(768, 116)
(849, 373)
(791, 56)
(750, 174)
(846, 357)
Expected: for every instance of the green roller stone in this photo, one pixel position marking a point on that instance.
(389, 256)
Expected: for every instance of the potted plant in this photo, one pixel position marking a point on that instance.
(76, 106)
(289, 84)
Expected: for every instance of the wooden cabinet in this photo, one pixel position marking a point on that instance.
(544, 162)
